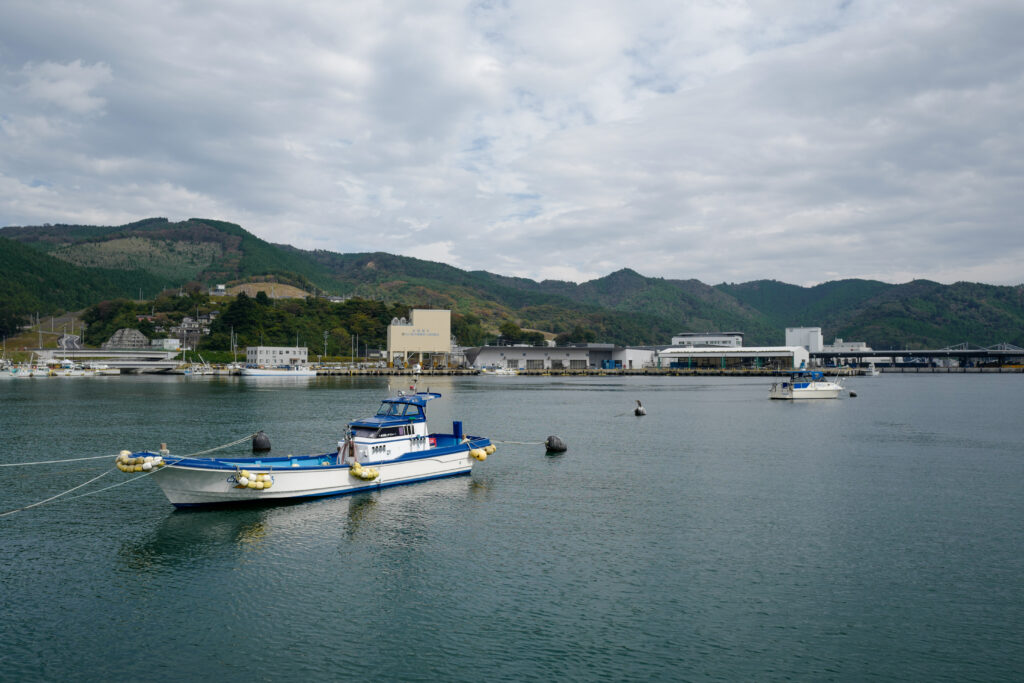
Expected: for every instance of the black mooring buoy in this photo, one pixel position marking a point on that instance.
(260, 442)
(853, 394)
(555, 445)
(639, 410)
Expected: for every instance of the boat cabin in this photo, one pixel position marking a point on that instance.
(399, 426)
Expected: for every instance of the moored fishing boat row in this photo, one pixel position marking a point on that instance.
(54, 368)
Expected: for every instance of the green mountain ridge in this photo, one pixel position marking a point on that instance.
(53, 267)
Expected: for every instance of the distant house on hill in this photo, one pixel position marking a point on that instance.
(126, 338)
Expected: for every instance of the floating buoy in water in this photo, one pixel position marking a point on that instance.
(555, 445)
(639, 410)
(853, 394)
(260, 442)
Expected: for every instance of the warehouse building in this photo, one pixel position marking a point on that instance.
(735, 358)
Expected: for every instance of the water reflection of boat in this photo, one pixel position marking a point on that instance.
(390, 448)
(182, 537)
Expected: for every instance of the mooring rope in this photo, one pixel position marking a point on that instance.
(217, 448)
(11, 512)
(172, 460)
(99, 457)
(121, 483)
(519, 443)
(51, 462)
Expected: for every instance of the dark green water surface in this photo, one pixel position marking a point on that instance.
(721, 537)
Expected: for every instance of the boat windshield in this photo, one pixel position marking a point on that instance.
(399, 410)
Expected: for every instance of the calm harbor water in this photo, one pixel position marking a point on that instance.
(721, 537)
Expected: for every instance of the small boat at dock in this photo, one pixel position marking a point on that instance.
(499, 371)
(278, 371)
(390, 448)
(806, 384)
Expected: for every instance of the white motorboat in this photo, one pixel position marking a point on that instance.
(806, 384)
(390, 448)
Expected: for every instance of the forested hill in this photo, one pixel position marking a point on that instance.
(103, 262)
(917, 314)
(34, 282)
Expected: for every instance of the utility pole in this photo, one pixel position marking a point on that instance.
(325, 342)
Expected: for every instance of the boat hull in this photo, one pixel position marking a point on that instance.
(789, 393)
(189, 482)
(271, 372)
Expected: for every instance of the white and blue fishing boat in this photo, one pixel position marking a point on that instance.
(806, 384)
(390, 448)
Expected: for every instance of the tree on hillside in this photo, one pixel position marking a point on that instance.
(578, 335)
(468, 330)
(510, 331)
(513, 334)
(11, 322)
(106, 318)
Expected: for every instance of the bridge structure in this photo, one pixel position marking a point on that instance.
(126, 360)
(965, 354)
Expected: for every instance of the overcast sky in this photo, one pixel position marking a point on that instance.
(721, 140)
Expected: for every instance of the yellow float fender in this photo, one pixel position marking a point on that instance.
(364, 473)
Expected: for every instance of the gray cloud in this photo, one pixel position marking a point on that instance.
(802, 141)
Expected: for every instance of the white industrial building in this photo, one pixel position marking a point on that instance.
(734, 358)
(807, 337)
(840, 346)
(714, 339)
(529, 357)
(608, 356)
(272, 356)
(166, 344)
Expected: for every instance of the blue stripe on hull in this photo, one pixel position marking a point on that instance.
(330, 494)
